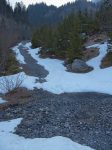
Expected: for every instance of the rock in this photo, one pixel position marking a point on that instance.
(69, 67)
(80, 66)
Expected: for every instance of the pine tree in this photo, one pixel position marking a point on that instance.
(105, 14)
(20, 13)
(64, 42)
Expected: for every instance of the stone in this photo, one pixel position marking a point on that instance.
(80, 66)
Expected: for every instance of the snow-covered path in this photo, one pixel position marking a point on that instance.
(2, 101)
(60, 81)
(95, 62)
(10, 141)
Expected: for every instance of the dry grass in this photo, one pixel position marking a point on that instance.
(10, 84)
(96, 39)
(20, 96)
(90, 53)
(107, 61)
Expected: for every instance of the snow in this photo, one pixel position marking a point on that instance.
(28, 81)
(2, 101)
(19, 57)
(95, 62)
(60, 81)
(11, 141)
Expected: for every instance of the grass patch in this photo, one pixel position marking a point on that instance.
(107, 61)
(12, 66)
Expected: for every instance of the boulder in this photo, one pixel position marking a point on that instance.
(80, 66)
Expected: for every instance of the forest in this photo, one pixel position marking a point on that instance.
(13, 29)
(54, 29)
(66, 40)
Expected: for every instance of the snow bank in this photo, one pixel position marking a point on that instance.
(28, 81)
(19, 57)
(10, 141)
(95, 62)
(60, 81)
(2, 101)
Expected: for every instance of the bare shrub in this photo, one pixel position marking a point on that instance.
(10, 84)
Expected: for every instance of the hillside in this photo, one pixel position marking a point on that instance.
(40, 14)
(12, 30)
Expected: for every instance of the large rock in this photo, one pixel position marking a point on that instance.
(80, 66)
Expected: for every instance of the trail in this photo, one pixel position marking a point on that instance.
(84, 117)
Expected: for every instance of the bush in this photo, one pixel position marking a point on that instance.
(110, 35)
(11, 66)
(107, 61)
(10, 84)
(65, 41)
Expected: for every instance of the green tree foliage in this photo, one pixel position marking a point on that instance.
(40, 14)
(13, 29)
(5, 8)
(110, 35)
(69, 40)
(20, 13)
(105, 14)
(43, 37)
(65, 40)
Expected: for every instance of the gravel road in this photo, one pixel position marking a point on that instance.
(31, 67)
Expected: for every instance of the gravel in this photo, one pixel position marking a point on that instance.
(31, 67)
(85, 118)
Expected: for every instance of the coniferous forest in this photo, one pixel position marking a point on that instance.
(54, 29)
(66, 39)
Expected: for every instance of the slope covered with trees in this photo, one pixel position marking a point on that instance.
(105, 14)
(40, 14)
(13, 28)
(67, 39)
(59, 30)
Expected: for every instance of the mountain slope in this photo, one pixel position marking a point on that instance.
(40, 14)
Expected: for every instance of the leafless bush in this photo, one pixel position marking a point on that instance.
(10, 84)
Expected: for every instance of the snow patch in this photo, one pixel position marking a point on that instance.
(96, 62)
(19, 57)
(60, 81)
(28, 81)
(10, 141)
(2, 101)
